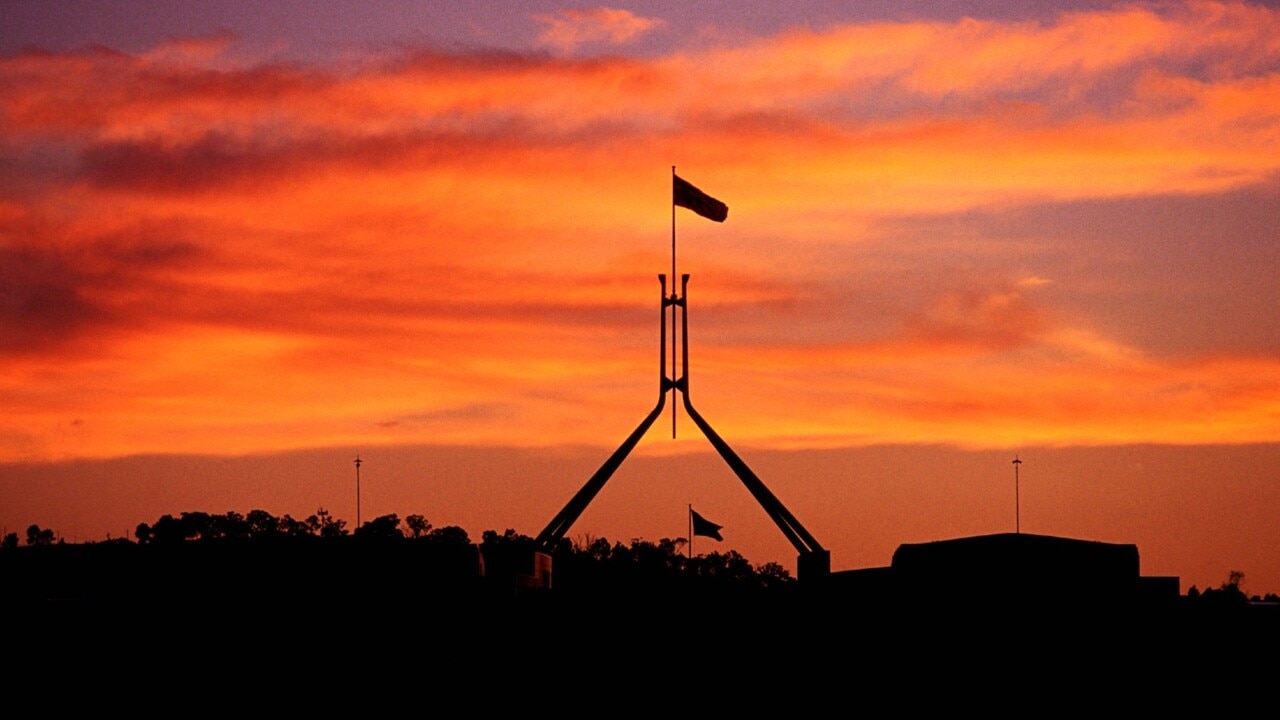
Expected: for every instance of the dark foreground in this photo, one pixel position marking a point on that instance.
(618, 656)
(303, 634)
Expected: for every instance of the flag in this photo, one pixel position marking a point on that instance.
(686, 195)
(704, 527)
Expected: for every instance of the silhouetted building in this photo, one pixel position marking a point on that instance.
(1010, 568)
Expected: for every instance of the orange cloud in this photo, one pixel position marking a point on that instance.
(568, 29)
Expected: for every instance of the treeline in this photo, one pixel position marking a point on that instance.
(1229, 593)
(259, 552)
(262, 525)
(208, 555)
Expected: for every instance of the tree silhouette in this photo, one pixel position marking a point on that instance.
(37, 536)
(325, 525)
(773, 575)
(449, 535)
(262, 524)
(386, 527)
(167, 530)
(1235, 581)
(294, 528)
(198, 526)
(418, 525)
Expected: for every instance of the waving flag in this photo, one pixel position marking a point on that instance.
(704, 527)
(685, 195)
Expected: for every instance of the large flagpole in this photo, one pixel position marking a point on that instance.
(673, 292)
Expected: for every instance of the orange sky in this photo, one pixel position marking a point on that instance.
(974, 236)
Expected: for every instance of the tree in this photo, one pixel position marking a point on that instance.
(325, 525)
(143, 533)
(10, 541)
(507, 555)
(168, 530)
(197, 525)
(1235, 579)
(773, 575)
(262, 524)
(450, 535)
(1231, 590)
(383, 527)
(229, 526)
(295, 528)
(37, 536)
(728, 568)
(509, 537)
(418, 525)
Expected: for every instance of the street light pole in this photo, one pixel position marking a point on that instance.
(1017, 502)
(358, 463)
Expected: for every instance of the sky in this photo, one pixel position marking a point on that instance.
(243, 244)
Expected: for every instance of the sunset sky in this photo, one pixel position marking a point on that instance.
(243, 243)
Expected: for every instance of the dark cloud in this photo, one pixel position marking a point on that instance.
(210, 163)
(172, 127)
(337, 312)
(44, 300)
(220, 161)
(86, 90)
(51, 296)
(469, 411)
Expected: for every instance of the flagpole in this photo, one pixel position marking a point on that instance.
(690, 531)
(673, 305)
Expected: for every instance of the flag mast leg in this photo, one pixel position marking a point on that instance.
(559, 526)
(814, 560)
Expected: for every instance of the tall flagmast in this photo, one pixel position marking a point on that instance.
(673, 296)
(814, 559)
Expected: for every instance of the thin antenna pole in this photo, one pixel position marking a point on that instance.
(358, 463)
(1017, 502)
(673, 292)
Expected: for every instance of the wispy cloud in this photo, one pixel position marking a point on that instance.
(568, 29)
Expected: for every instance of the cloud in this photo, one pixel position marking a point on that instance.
(435, 230)
(568, 29)
(58, 297)
(44, 302)
(989, 320)
(196, 51)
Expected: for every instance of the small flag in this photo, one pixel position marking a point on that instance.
(685, 195)
(704, 527)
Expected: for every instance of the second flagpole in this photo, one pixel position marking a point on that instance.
(690, 516)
